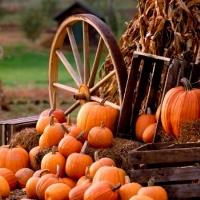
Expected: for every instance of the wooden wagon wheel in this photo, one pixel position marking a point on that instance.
(84, 76)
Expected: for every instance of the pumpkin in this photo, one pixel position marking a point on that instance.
(180, 104)
(32, 182)
(57, 191)
(69, 181)
(129, 189)
(8, 153)
(102, 190)
(32, 153)
(57, 112)
(100, 136)
(69, 122)
(9, 176)
(76, 163)
(4, 188)
(158, 112)
(77, 193)
(69, 145)
(149, 133)
(52, 134)
(91, 114)
(45, 181)
(23, 175)
(140, 197)
(84, 179)
(113, 174)
(51, 160)
(142, 122)
(99, 162)
(155, 192)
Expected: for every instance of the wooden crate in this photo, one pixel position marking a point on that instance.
(176, 167)
(9, 127)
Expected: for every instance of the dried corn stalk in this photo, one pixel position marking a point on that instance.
(164, 28)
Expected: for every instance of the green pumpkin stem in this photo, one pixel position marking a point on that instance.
(186, 83)
(116, 187)
(65, 128)
(80, 135)
(151, 181)
(84, 147)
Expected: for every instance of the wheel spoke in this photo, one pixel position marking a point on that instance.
(72, 108)
(102, 81)
(76, 53)
(96, 63)
(86, 52)
(68, 67)
(65, 87)
(98, 99)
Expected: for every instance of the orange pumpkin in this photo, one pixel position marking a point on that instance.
(57, 191)
(45, 181)
(32, 153)
(4, 188)
(100, 136)
(23, 175)
(105, 172)
(142, 122)
(180, 104)
(8, 153)
(149, 132)
(92, 114)
(9, 176)
(102, 190)
(51, 160)
(76, 163)
(155, 192)
(100, 162)
(84, 179)
(69, 181)
(129, 189)
(52, 134)
(140, 197)
(32, 182)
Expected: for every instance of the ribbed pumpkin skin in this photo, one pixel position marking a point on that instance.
(148, 134)
(92, 114)
(140, 197)
(100, 191)
(4, 188)
(179, 105)
(9, 176)
(58, 191)
(112, 174)
(7, 154)
(155, 192)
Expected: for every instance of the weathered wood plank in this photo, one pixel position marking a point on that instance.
(167, 174)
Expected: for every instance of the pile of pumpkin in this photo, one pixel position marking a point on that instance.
(66, 172)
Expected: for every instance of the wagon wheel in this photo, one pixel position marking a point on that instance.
(82, 74)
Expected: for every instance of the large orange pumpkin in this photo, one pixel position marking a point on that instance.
(180, 104)
(92, 114)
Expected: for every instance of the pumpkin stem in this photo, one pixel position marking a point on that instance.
(186, 83)
(54, 104)
(54, 150)
(42, 171)
(52, 120)
(102, 125)
(80, 135)
(149, 111)
(104, 100)
(84, 147)
(116, 187)
(127, 180)
(69, 120)
(65, 128)
(87, 174)
(96, 156)
(151, 181)
(57, 172)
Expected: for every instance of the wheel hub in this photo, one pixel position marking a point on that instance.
(83, 94)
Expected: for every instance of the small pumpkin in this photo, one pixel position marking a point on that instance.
(69, 181)
(142, 122)
(140, 197)
(92, 114)
(177, 107)
(32, 153)
(9, 176)
(100, 136)
(129, 189)
(149, 133)
(57, 191)
(76, 163)
(84, 179)
(102, 190)
(23, 175)
(4, 188)
(99, 162)
(52, 134)
(155, 192)
(51, 160)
